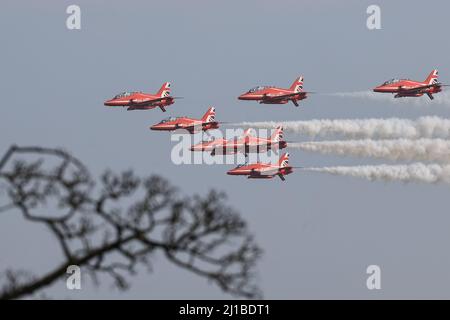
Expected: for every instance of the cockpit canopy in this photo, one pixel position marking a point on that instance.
(209, 139)
(125, 94)
(258, 88)
(391, 81)
(168, 119)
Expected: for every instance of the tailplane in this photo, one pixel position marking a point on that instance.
(210, 115)
(277, 136)
(432, 77)
(164, 91)
(284, 160)
(248, 132)
(297, 85)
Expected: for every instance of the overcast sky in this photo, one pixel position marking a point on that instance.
(319, 232)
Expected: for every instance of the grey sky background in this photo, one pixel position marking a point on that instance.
(319, 232)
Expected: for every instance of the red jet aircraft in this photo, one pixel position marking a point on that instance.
(264, 170)
(143, 101)
(410, 88)
(192, 125)
(274, 95)
(247, 143)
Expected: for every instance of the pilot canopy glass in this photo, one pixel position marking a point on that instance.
(258, 88)
(125, 94)
(168, 119)
(391, 81)
(209, 139)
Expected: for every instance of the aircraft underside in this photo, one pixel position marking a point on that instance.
(294, 101)
(274, 101)
(260, 177)
(141, 107)
(147, 107)
(419, 94)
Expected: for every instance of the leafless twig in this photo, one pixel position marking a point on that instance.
(113, 226)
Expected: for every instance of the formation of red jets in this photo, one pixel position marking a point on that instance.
(248, 143)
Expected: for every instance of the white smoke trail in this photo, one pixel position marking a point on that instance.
(393, 128)
(365, 95)
(441, 98)
(437, 150)
(417, 172)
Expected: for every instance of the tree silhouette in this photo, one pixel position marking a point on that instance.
(115, 225)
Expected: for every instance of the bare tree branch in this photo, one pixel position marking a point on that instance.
(113, 227)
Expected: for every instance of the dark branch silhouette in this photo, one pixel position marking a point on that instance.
(114, 226)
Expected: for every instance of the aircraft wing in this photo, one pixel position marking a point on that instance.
(148, 101)
(269, 171)
(228, 147)
(257, 144)
(419, 88)
(283, 96)
(197, 125)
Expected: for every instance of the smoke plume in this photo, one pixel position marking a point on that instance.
(393, 128)
(437, 150)
(417, 172)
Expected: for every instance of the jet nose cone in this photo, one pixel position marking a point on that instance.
(156, 127)
(243, 96)
(378, 89)
(108, 103)
(236, 172)
(202, 146)
(196, 148)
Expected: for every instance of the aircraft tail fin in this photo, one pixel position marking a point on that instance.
(210, 115)
(248, 132)
(284, 160)
(165, 90)
(277, 135)
(432, 77)
(297, 85)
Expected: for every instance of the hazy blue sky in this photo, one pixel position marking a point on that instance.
(319, 232)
